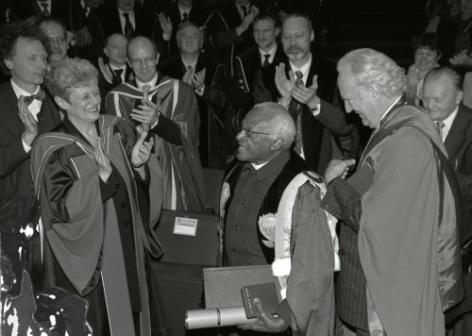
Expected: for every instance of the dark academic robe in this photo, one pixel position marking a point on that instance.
(175, 139)
(211, 105)
(94, 236)
(253, 203)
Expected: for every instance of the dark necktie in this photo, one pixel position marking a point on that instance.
(41, 95)
(117, 77)
(44, 5)
(266, 60)
(185, 17)
(129, 30)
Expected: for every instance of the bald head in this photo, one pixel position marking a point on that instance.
(143, 58)
(115, 50)
(442, 92)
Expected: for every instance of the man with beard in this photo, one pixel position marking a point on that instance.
(300, 84)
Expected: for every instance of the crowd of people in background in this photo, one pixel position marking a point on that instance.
(111, 110)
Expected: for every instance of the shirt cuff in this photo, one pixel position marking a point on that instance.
(316, 111)
(26, 147)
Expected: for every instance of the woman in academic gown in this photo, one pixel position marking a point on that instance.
(92, 180)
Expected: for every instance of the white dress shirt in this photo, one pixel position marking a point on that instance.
(271, 52)
(123, 73)
(123, 21)
(448, 123)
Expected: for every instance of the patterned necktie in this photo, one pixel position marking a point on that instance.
(299, 78)
(44, 5)
(266, 60)
(440, 126)
(129, 30)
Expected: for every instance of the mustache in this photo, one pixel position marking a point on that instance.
(293, 50)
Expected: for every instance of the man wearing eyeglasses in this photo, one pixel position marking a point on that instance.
(255, 181)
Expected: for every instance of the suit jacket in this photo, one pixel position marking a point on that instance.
(316, 131)
(23, 9)
(211, 105)
(244, 68)
(17, 202)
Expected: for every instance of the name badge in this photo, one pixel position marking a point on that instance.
(185, 226)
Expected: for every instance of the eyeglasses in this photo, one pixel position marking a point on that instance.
(253, 134)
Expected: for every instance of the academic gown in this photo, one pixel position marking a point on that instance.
(81, 256)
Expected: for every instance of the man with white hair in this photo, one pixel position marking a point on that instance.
(399, 248)
(255, 181)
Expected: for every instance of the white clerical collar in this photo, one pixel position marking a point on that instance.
(305, 69)
(271, 52)
(389, 109)
(151, 83)
(259, 166)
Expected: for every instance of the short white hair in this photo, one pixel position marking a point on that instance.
(278, 120)
(375, 71)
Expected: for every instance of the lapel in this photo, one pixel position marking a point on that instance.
(11, 112)
(115, 21)
(456, 136)
(279, 55)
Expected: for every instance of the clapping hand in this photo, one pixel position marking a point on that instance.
(284, 84)
(265, 322)
(461, 59)
(141, 150)
(166, 26)
(104, 166)
(147, 113)
(307, 95)
(338, 168)
(30, 124)
(198, 79)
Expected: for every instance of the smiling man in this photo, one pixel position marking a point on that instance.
(167, 107)
(399, 224)
(25, 113)
(255, 182)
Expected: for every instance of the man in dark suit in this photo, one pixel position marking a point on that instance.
(26, 112)
(442, 96)
(294, 84)
(123, 17)
(206, 77)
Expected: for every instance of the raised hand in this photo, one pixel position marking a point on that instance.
(141, 150)
(166, 26)
(104, 166)
(338, 168)
(307, 95)
(198, 79)
(284, 84)
(188, 76)
(147, 113)
(30, 124)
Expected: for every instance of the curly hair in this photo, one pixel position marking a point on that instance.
(374, 71)
(69, 74)
(9, 35)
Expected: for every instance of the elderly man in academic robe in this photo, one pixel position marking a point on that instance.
(169, 108)
(400, 259)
